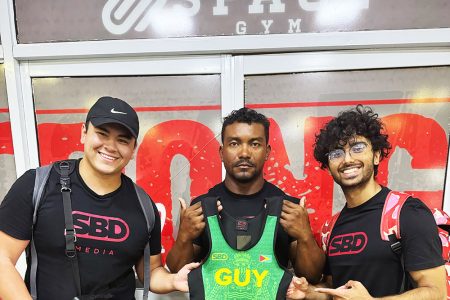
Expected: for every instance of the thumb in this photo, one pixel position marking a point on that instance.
(182, 204)
(192, 266)
(303, 201)
(301, 283)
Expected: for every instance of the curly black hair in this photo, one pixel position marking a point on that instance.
(249, 116)
(362, 121)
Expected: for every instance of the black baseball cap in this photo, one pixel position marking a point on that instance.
(113, 110)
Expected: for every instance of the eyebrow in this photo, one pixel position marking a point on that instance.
(357, 142)
(232, 138)
(350, 144)
(126, 135)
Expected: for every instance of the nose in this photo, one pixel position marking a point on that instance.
(347, 155)
(244, 151)
(110, 145)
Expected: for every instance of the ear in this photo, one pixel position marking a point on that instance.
(376, 157)
(221, 152)
(83, 133)
(268, 150)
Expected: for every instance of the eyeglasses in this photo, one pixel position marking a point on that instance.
(354, 151)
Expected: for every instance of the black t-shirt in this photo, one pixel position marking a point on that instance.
(248, 206)
(356, 251)
(111, 236)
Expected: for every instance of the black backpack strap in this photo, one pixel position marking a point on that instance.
(64, 169)
(40, 181)
(149, 213)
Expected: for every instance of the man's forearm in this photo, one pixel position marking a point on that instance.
(11, 283)
(182, 253)
(309, 260)
(428, 292)
(162, 281)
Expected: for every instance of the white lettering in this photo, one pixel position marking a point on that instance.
(257, 8)
(220, 9)
(189, 12)
(294, 24)
(309, 6)
(317, 4)
(241, 27)
(266, 24)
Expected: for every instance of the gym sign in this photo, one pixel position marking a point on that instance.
(85, 20)
(121, 16)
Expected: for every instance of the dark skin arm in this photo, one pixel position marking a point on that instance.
(192, 224)
(305, 255)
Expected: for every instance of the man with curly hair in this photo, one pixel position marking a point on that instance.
(360, 265)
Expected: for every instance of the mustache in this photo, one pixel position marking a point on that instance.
(243, 162)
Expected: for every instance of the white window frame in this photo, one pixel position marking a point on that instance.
(148, 66)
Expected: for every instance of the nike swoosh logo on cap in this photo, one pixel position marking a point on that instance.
(117, 112)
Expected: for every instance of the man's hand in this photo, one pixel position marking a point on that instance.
(294, 219)
(352, 290)
(180, 281)
(192, 221)
(298, 288)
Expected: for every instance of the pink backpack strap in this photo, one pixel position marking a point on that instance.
(390, 218)
(326, 230)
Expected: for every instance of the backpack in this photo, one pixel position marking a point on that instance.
(390, 228)
(65, 168)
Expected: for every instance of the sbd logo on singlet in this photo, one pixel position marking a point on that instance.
(350, 243)
(103, 228)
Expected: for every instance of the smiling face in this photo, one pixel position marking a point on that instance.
(244, 152)
(107, 148)
(356, 167)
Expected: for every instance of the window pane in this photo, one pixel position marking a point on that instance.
(414, 104)
(7, 165)
(177, 153)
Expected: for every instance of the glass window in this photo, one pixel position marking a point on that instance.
(177, 153)
(7, 165)
(414, 104)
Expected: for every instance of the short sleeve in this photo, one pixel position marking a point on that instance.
(155, 239)
(16, 210)
(421, 245)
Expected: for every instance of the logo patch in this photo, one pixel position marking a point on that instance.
(265, 258)
(347, 244)
(117, 112)
(219, 256)
(101, 228)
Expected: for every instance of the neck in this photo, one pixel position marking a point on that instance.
(358, 195)
(101, 184)
(247, 188)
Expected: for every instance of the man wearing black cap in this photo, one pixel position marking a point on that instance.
(110, 227)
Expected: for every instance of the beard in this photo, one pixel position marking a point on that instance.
(367, 175)
(245, 177)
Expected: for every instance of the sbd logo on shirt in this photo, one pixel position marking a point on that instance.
(103, 228)
(345, 244)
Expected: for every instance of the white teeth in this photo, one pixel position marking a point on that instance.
(346, 171)
(105, 156)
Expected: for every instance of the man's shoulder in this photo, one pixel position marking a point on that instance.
(272, 190)
(213, 192)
